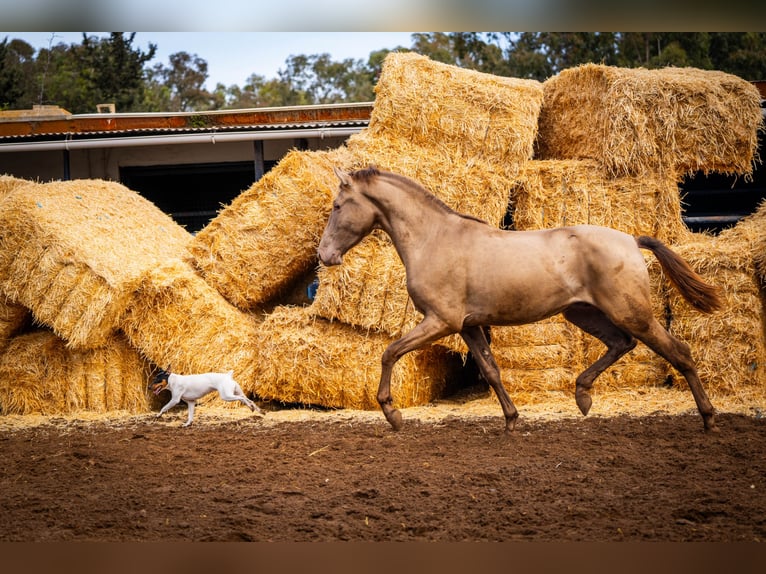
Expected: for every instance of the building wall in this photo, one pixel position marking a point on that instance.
(105, 163)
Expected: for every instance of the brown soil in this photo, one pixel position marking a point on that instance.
(338, 476)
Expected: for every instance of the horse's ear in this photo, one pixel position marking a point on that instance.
(345, 179)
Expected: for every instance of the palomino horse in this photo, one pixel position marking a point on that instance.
(463, 274)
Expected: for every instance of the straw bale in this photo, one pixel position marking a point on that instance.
(177, 319)
(728, 346)
(756, 225)
(8, 183)
(468, 114)
(267, 236)
(541, 356)
(635, 121)
(40, 374)
(476, 188)
(553, 193)
(14, 318)
(305, 359)
(73, 252)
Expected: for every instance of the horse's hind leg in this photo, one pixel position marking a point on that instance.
(594, 322)
(477, 342)
(678, 354)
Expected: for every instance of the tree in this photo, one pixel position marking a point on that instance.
(11, 76)
(540, 55)
(114, 69)
(100, 70)
(184, 79)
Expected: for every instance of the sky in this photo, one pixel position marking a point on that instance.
(232, 57)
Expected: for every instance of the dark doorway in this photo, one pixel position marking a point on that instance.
(192, 194)
(715, 202)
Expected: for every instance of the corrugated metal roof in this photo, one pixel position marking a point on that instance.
(47, 125)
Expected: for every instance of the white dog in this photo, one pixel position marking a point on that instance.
(190, 388)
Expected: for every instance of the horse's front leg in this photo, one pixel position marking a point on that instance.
(428, 330)
(479, 346)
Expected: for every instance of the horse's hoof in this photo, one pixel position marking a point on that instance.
(584, 402)
(710, 425)
(395, 419)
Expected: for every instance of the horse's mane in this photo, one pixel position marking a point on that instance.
(366, 174)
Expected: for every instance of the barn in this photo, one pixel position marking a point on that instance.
(188, 164)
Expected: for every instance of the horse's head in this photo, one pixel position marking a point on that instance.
(353, 216)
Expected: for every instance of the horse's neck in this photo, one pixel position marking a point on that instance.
(408, 216)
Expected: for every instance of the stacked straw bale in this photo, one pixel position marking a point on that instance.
(546, 355)
(254, 249)
(14, 318)
(470, 115)
(73, 252)
(177, 319)
(637, 121)
(308, 360)
(460, 133)
(729, 345)
(554, 193)
(760, 243)
(8, 183)
(41, 374)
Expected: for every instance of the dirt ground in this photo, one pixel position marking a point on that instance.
(451, 474)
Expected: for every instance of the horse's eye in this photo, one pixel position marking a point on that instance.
(335, 206)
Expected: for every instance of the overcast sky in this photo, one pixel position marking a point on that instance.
(233, 56)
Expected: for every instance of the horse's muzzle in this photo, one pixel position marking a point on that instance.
(331, 258)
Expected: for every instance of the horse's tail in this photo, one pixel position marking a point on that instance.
(700, 295)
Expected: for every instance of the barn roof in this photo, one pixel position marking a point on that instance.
(46, 125)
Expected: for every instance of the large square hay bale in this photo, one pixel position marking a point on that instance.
(8, 183)
(637, 121)
(14, 318)
(554, 193)
(40, 374)
(757, 221)
(176, 319)
(368, 290)
(268, 236)
(307, 360)
(470, 115)
(729, 345)
(542, 356)
(73, 252)
(478, 188)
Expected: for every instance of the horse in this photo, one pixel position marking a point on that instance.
(464, 275)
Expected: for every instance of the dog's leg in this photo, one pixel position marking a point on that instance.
(171, 403)
(191, 413)
(236, 394)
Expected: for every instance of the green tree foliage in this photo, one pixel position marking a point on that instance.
(113, 72)
(180, 87)
(79, 76)
(11, 76)
(305, 80)
(76, 77)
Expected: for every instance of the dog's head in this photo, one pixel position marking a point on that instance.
(160, 381)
